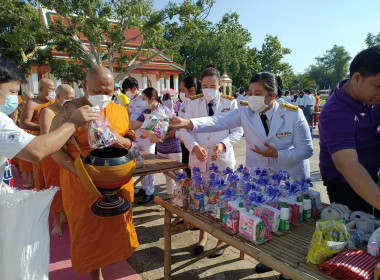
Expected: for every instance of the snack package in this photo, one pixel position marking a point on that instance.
(155, 128)
(329, 238)
(250, 227)
(100, 132)
(199, 202)
(351, 264)
(230, 219)
(273, 214)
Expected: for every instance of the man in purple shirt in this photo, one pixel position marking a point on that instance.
(349, 129)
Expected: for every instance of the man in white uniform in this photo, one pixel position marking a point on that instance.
(286, 97)
(309, 107)
(198, 107)
(242, 96)
(14, 141)
(131, 88)
(188, 87)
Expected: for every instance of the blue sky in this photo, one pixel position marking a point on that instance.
(308, 27)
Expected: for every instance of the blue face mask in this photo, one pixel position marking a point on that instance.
(10, 105)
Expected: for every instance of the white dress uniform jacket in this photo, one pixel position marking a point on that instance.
(197, 108)
(135, 109)
(288, 132)
(182, 110)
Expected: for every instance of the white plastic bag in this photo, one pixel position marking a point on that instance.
(24, 234)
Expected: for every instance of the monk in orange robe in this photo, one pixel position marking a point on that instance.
(51, 169)
(26, 167)
(30, 120)
(95, 241)
(316, 108)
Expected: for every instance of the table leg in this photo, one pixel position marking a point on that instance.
(138, 180)
(171, 174)
(167, 245)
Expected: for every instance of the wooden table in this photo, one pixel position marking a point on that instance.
(156, 164)
(284, 252)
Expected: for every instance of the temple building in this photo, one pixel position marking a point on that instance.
(161, 73)
(226, 84)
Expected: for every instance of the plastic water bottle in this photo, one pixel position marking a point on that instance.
(300, 204)
(284, 218)
(306, 207)
(191, 199)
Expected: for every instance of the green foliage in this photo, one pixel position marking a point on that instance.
(16, 35)
(372, 39)
(223, 45)
(271, 55)
(104, 24)
(301, 82)
(331, 67)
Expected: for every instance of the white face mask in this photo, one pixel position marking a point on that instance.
(10, 104)
(129, 94)
(210, 93)
(257, 103)
(99, 100)
(183, 97)
(146, 104)
(117, 92)
(51, 95)
(64, 101)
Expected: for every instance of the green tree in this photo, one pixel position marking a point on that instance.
(271, 55)
(18, 39)
(224, 45)
(301, 82)
(372, 39)
(104, 24)
(331, 67)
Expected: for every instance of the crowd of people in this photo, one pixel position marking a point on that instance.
(49, 130)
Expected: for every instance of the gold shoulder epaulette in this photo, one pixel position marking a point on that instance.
(196, 96)
(225, 96)
(243, 103)
(289, 107)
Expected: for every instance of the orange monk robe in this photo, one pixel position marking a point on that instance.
(38, 176)
(96, 241)
(25, 166)
(51, 171)
(316, 109)
(15, 161)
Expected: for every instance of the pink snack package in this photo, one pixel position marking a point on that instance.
(155, 128)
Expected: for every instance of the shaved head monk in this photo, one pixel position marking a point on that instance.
(51, 169)
(95, 241)
(26, 167)
(30, 120)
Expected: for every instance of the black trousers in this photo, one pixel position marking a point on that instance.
(340, 192)
(185, 158)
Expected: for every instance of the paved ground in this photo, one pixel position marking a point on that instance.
(148, 259)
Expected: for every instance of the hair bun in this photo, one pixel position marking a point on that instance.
(279, 82)
(210, 66)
